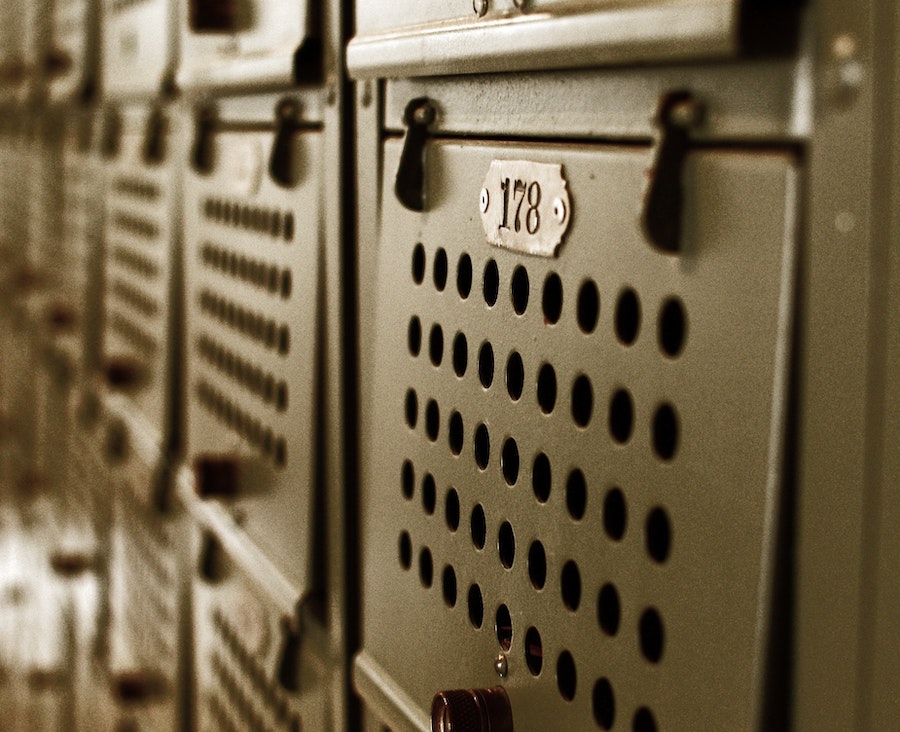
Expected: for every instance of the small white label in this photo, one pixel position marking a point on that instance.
(525, 206)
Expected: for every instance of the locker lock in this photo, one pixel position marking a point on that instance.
(409, 186)
(661, 218)
(203, 152)
(124, 373)
(472, 710)
(216, 476)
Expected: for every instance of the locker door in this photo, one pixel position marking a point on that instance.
(576, 453)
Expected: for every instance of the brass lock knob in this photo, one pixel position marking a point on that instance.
(472, 710)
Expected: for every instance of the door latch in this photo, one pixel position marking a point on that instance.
(409, 186)
(661, 217)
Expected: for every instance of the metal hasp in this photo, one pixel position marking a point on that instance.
(154, 151)
(472, 710)
(678, 114)
(283, 165)
(203, 152)
(410, 183)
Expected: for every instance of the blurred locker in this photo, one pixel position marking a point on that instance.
(264, 213)
(575, 362)
(143, 145)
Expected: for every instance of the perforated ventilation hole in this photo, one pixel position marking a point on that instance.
(405, 550)
(288, 226)
(460, 354)
(672, 327)
(426, 567)
(503, 627)
(414, 336)
(491, 283)
(418, 264)
(432, 420)
(456, 433)
(609, 610)
(429, 493)
(451, 509)
(576, 495)
(552, 300)
(534, 651)
(588, 306)
(603, 703)
(570, 581)
(643, 721)
(519, 290)
(476, 607)
(448, 586)
(509, 460)
(537, 565)
(651, 634)
(506, 545)
(541, 477)
(287, 284)
(582, 401)
(464, 276)
(665, 432)
(621, 416)
(628, 317)
(486, 364)
(478, 527)
(482, 446)
(546, 388)
(566, 676)
(615, 514)
(436, 344)
(407, 479)
(658, 535)
(412, 408)
(515, 376)
(440, 269)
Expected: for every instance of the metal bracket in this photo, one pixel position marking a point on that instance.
(409, 186)
(661, 216)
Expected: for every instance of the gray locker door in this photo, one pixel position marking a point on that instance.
(575, 467)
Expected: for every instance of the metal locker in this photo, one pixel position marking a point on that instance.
(142, 263)
(254, 243)
(432, 38)
(259, 43)
(260, 664)
(585, 395)
(138, 48)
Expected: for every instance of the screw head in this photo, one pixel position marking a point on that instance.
(501, 665)
(485, 200)
(559, 210)
(480, 7)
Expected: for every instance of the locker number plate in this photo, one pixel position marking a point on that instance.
(525, 206)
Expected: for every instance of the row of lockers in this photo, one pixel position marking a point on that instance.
(494, 371)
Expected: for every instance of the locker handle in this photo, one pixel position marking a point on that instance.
(211, 566)
(284, 165)
(661, 216)
(409, 185)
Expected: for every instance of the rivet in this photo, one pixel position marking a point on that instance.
(501, 665)
(559, 210)
(480, 7)
(485, 200)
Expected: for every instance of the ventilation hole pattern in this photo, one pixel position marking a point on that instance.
(627, 420)
(254, 272)
(266, 221)
(133, 334)
(253, 430)
(253, 378)
(136, 187)
(134, 298)
(255, 326)
(138, 226)
(136, 263)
